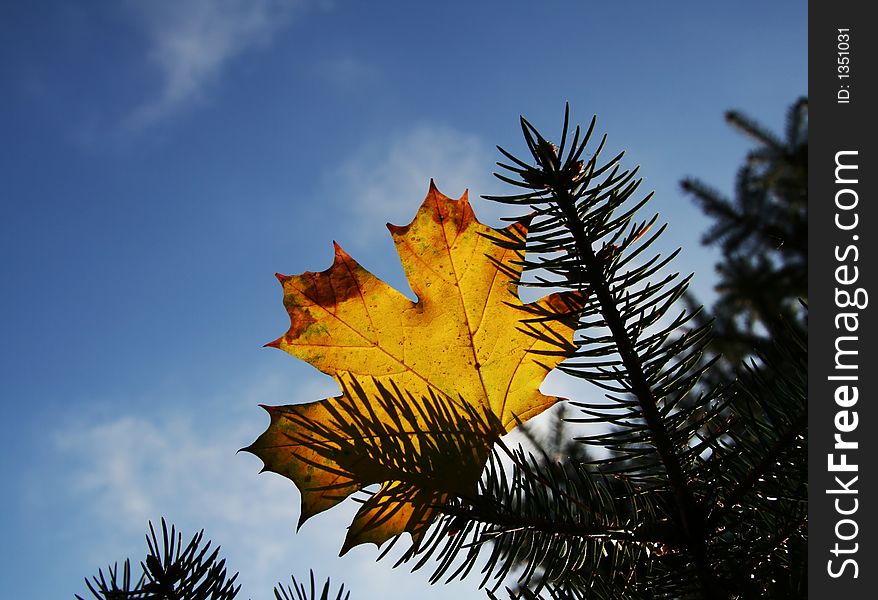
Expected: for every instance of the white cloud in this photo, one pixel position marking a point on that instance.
(131, 470)
(191, 41)
(386, 180)
(117, 474)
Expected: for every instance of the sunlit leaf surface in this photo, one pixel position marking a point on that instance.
(428, 386)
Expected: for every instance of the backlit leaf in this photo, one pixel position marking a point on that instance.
(428, 386)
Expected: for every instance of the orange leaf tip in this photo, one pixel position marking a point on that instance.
(339, 257)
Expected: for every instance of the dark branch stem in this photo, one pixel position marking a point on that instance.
(553, 526)
(691, 514)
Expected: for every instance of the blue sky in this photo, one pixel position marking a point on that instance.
(162, 160)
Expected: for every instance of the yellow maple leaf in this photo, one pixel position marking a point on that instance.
(428, 386)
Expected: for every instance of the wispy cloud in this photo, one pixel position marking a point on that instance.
(126, 471)
(192, 41)
(119, 473)
(385, 180)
